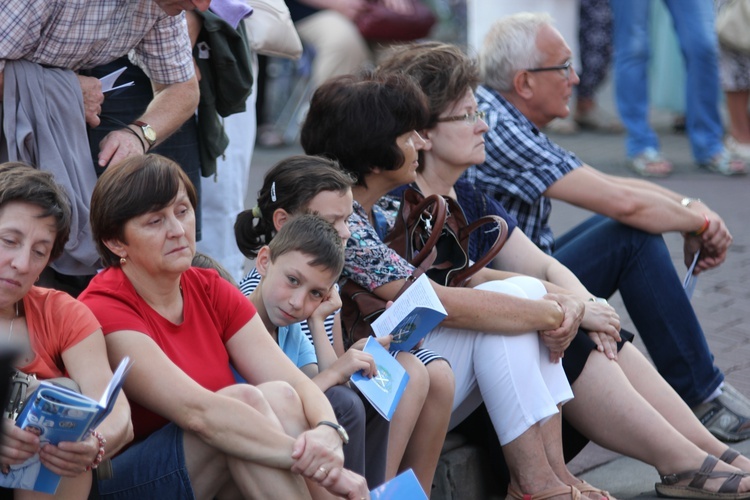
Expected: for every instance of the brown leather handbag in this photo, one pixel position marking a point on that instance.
(431, 232)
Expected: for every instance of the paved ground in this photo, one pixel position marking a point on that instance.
(721, 298)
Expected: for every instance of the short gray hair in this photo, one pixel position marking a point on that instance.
(510, 46)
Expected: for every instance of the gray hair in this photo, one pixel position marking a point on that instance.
(510, 46)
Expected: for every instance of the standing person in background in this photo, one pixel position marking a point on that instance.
(43, 44)
(734, 68)
(694, 24)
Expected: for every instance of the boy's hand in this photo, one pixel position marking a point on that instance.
(352, 362)
(330, 305)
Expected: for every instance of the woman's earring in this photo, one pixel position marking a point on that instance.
(123, 261)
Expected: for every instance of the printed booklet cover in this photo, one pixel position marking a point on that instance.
(384, 390)
(412, 316)
(58, 414)
(405, 486)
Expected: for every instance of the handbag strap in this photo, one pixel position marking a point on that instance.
(431, 210)
(461, 277)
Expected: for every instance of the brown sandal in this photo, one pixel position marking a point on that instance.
(585, 487)
(542, 495)
(728, 490)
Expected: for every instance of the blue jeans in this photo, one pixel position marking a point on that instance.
(608, 256)
(152, 468)
(694, 24)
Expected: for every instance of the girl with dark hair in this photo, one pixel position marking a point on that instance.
(315, 184)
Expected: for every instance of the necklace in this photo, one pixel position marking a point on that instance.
(10, 330)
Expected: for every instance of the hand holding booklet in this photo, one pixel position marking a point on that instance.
(411, 317)
(384, 390)
(59, 414)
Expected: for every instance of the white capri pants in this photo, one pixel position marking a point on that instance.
(511, 373)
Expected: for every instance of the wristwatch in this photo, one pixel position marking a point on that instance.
(148, 132)
(342, 432)
(600, 300)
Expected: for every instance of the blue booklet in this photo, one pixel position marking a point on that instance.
(57, 414)
(384, 390)
(405, 486)
(411, 317)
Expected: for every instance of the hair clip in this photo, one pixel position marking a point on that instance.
(273, 191)
(256, 212)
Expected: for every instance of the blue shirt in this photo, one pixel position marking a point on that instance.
(296, 346)
(521, 164)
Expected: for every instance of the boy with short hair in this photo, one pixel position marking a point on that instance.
(298, 269)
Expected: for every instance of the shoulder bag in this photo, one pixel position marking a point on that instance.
(431, 233)
(733, 25)
(270, 30)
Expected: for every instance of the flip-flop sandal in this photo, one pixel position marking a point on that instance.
(650, 163)
(726, 163)
(728, 490)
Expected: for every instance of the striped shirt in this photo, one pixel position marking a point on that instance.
(521, 164)
(82, 34)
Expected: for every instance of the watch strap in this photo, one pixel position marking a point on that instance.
(338, 428)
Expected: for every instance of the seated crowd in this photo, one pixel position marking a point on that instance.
(241, 390)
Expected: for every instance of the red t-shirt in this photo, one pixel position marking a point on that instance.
(213, 312)
(56, 322)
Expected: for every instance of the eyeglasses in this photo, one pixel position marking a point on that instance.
(565, 68)
(471, 119)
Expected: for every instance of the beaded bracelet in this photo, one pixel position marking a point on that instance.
(100, 454)
(706, 223)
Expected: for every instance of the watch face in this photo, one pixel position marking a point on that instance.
(149, 133)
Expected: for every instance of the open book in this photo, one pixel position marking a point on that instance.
(412, 316)
(58, 414)
(384, 390)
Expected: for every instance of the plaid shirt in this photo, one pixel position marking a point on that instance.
(521, 164)
(82, 34)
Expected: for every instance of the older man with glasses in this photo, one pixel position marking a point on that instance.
(528, 82)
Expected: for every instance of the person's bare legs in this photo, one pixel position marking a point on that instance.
(739, 121)
(530, 471)
(408, 411)
(649, 384)
(70, 487)
(212, 472)
(423, 450)
(609, 410)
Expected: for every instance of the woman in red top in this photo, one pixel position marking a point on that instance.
(198, 433)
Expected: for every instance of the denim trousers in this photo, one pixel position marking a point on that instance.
(608, 256)
(694, 24)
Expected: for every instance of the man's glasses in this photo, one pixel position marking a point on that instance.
(565, 68)
(471, 119)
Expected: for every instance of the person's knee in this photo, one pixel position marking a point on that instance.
(419, 378)
(246, 393)
(442, 383)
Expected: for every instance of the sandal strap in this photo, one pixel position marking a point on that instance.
(706, 472)
(585, 487)
(543, 495)
(729, 455)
